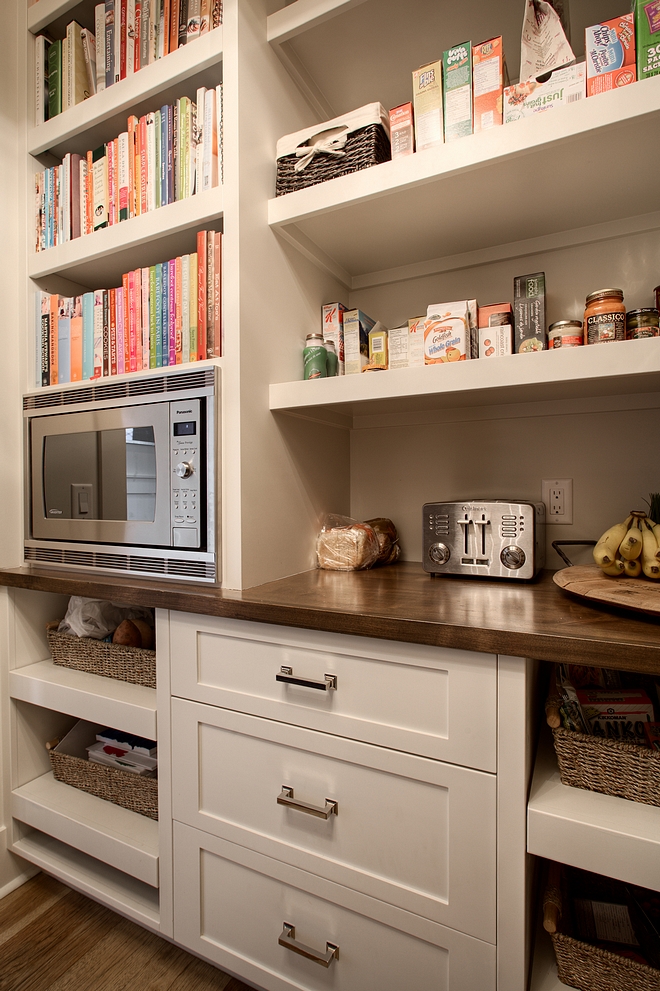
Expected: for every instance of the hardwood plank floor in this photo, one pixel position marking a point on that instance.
(54, 939)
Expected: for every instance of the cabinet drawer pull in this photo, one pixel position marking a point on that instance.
(289, 941)
(286, 798)
(328, 684)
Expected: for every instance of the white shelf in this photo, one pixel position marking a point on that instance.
(585, 829)
(100, 700)
(544, 966)
(97, 259)
(598, 370)
(123, 839)
(494, 188)
(101, 116)
(44, 12)
(124, 894)
(303, 15)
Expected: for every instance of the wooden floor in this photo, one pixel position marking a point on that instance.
(54, 939)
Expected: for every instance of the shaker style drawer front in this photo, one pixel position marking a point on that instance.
(281, 928)
(435, 702)
(413, 832)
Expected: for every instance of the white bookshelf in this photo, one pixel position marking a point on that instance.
(44, 12)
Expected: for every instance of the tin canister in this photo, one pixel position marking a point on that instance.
(642, 323)
(332, 361)
(604, 317)
(565, 334)
(315, 357)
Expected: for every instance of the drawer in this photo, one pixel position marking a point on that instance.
(435, 702)
(231, 905)
(413, 832)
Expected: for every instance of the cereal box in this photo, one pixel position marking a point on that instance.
(495, 330)
(647, 32)
(457, 87)
(427, 100)
(399, 347)
(488, 82)
(416, 341)
(529, 312)
(401, 130)
(610, 54)
(447, 332)
(356, 341)
(332, 329)
(554, 89)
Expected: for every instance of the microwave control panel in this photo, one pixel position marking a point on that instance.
(185, 466)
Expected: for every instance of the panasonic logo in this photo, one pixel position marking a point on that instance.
(184, 411)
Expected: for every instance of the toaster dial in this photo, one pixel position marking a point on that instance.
(512, 557)
(439, 553)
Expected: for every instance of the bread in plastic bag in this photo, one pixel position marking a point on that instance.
(97, 618)
(346, 545)
(388, 540)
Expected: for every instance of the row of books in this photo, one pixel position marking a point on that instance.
(128, 34)
(166, 314)
(164, 156)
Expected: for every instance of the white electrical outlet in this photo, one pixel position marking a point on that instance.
(557, 494)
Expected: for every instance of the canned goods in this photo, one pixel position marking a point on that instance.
(315, 357)
(642, 323)
(604, 317)
(565, 334)
(332, 361)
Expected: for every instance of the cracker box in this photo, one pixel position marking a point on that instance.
(617, 714)
(488, 83)
(332, 329)
(357, 326)
(529, 312)
(647, 35)
(447, 332)
(473, 317)
(427, 101)
(495, 330)
(551, 90)
(401, 130)
(399, 347)
(378, 346)
(610, 54)
(457, 90)
(416, 342)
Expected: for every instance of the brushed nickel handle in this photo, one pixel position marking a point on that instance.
(285, 797)
(288, 940)
(328, 684)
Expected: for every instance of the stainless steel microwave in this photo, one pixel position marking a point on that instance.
(122, 475)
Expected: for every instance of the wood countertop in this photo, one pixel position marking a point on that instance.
(400, 602)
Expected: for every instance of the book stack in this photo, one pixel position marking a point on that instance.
(128, 35)
(166, 314)
(125, 751)
(162, 157)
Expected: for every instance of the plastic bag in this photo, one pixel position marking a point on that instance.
(97, 618)
(346, 545)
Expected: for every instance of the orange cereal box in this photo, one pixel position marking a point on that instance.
(488, 83)
(610, 54)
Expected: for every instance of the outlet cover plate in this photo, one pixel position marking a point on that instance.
(563, 486)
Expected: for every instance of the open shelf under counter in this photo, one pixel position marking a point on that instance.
(586, 829)
(528, 181)
(622, 368)
(544, 965)
(100, 259)
(103, 116)
(123, 839)
(88, 696)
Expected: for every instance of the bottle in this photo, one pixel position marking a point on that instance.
(314, 357)
(332, 361)
(604, 317)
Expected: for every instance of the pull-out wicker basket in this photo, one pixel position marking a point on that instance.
(109, 660)
(71, 766)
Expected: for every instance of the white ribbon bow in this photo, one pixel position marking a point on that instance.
(325, 143)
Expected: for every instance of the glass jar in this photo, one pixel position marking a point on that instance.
(604, 317)
(642, 323)
(565, 334)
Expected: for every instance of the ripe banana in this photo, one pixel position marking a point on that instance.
(633, 569)
(616, 569)
(606, 548)
(650, 553)
(631, 546)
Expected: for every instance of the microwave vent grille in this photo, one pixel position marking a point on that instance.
(117, 389)
(130, 563)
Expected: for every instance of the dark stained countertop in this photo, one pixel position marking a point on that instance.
(400, 602)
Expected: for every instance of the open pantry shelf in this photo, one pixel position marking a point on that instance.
(494, 188)
(599, 833)
(101, 700)
(616, 369)
(99, 259)
(107, 832)
(119, 891)
(544, 966)
(44, 12)
(103, 115)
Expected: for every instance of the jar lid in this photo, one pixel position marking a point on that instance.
(329, 345)
(604, 294)
(643, 311)
(565, 325)
(315, 337)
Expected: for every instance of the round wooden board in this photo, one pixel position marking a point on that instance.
(589, 582)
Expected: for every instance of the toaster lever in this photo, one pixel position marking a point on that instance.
(466, 533)
(483, 524)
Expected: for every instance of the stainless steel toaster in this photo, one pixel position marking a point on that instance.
(484, 538)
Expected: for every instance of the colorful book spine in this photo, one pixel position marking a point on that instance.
(112, 317)
(53, 326)
(192, 319)
(185, 309)
(153, 344)
(178, 310)
(89, 331)
(201, 295)
(145, 318)
(43, 322)
(119, 306)
(105, 333)
(143, 165)
(210, 160)
(123, 175)
(171, 313)
(158, 329)
(55, 79)
(165, 313)
(109, 42)
(163, 155)
(130, 37)
(100, 187)
(217, 294)
(76, 338)
(63, 340)
(157, 177)
(41, 47)
(99, 32)
(210, 263)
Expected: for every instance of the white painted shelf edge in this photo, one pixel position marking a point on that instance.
(171, 219)
(302, 15)
(89, 383)
(88, 696)
(44, 11)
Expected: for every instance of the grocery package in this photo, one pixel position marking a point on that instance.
(495, 330)
(647, 37)
(529, 312)
(560, 87)
(345, 544)
(332, 323)
(401, 130)
(610, 54)
(457, 90)
(488, 73)
(357, 326)
(99, 619)
(427, 103)
(447, 332)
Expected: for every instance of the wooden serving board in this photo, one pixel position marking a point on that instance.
(589, 582)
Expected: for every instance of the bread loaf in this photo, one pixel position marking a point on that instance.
(347, 548)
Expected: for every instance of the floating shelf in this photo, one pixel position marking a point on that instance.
(44, 12)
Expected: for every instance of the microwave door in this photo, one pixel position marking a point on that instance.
(102, 476)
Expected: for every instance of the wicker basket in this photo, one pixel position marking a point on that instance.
(110, 660)
(367, 142)
(613, 768)
(131, 791)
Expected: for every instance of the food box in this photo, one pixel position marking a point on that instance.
(488, 83)
(378, 346)
(332, 325)
(457, 90)
(495, 330)
(610, 54)
(647, 33)
(616, 714)
(447, 332)
(529, 312)
(555, 89)
(427, 100)
(416, 341)
(357, 326)
(401, 130)
(399, 347)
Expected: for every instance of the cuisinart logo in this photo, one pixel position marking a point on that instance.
(55, 512)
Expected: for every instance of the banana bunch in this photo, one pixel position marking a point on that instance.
(630, 548)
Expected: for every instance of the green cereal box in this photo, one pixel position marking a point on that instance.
(457, 87)
(647, 30)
